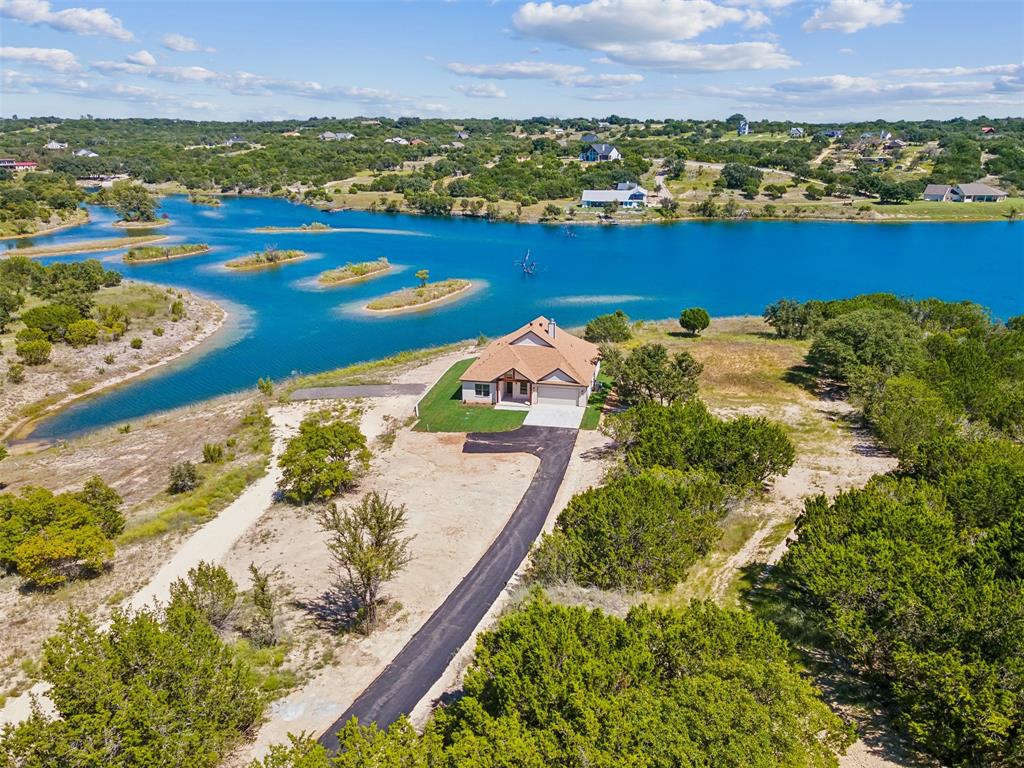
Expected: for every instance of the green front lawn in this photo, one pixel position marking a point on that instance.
(592, 416)
(442, 409)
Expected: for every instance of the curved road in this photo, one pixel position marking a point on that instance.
(410, 675)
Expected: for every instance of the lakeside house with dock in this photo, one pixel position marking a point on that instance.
(628, 194)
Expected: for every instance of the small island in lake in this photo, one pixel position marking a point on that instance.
(69, 248)
(200, 198)
(421, 296)
(141, 223)
(271, 257)
(157, 253)
(314, 227)
(350, 273)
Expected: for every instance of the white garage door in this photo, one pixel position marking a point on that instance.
(557, 395)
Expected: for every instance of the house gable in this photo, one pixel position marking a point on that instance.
(558, 375)
(531, 339)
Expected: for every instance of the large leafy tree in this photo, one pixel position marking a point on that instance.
(650, 374)
(322, 460)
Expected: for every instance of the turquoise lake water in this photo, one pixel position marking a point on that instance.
(283, 324)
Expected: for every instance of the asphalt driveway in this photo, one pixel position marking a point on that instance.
(410, 675)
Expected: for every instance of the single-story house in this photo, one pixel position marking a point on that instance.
(457, 145)
(462, 135)
(743, 129)
(599, 153)
(590, 138)
(25, 165)
(937, 192)
(627, 194)
(988, 130)
(85, 153)
(293, 134)
(55, 145)
(7, 163)
(833, 134)
(332, 136)
(976, 192)
(535, 364)
(796, 132)
(396, 140)
(418, 142)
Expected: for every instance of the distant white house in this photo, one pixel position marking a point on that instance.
(627, 194)
(369, 122)
(55, 145)
(332, 136)
(462, 135)
(396, 140)
(937, 192)
(600, 153)
(796, 132)
(743, 129)
(457, 145)
(976, 192)
(85, 153)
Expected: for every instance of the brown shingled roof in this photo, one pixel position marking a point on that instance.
(570, 354)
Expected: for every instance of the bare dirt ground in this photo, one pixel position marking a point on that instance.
(74, 373)
(457, 503)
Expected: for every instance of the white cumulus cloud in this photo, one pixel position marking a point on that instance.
(78, 21)
(851, 16)
(172, 41)
(143, 58)
(57, 59)
(481, 90)
(563, 74)
(655, 34)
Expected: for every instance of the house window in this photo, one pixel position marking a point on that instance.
(483, 390)
(523, 387)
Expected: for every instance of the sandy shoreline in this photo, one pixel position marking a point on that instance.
(49, 230)
(233, 266)
(200, 252)
(213, 323)
(461, 293)
(356, 279)
(85, 246)
(142, 224)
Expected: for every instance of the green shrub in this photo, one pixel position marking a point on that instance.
(34, 352)
(52, 319)
(611, 327)
(48, 539)
(322, 460)
(136, 343)
(184, 477)
(638, 532)
(213, 453)
(82, 333)
(15, 373)
(158, 331)
(694, 320)
(210, 590)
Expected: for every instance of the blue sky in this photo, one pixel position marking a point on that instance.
(814, 60)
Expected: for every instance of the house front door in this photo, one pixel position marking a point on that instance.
(508, 389)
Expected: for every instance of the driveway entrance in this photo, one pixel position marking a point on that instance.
(550, 415)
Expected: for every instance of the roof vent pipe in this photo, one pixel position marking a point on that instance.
(552, 327)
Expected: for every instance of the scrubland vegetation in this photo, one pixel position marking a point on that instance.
(426, 293)
(271, 257)
(156, 253)
(351, 272)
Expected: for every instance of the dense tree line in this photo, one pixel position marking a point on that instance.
(555, 685)
(918, 581)
(920, 369)
(33, 198)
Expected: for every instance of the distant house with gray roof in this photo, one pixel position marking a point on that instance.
(627, 194)
(976, 192)
(937, 192)
(600, 153)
